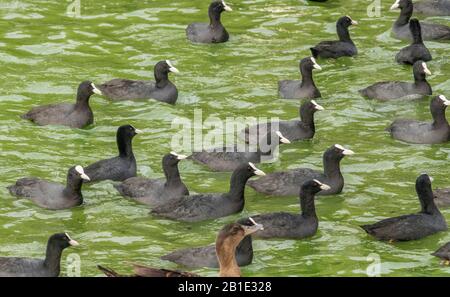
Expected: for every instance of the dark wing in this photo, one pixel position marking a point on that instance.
(194, 257)
(125, 89)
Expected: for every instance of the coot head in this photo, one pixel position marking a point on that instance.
(250, 170)
(337, 152)
(313, 187)
(172, 159)
(77, 172)
(401, 4)
(232, 234)
(308, 64)
(310, 107)
(346, 22)
(420, 70)
(439, 103)
(217, 7)
(127, 132)
(86, 89)
(62, 240)
(165, 67)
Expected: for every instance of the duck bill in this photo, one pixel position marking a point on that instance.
(252, 229)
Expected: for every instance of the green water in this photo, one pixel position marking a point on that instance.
(44, 54)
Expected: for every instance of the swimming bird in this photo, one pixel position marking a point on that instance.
(290, 225)
(400, 29)
(214, 32)
(414, 131)
(48, 267)
(156, 191)
(52, 195)
(227, 240)
(202, 207)
(229, 158)
(433, 7)
(288, 183)
(162, 89)
(293, 130)
(205, 256)
(417, 50)
(413, 226)
(442, 197)
(118, 168)
(344, 47)
(392, 90)
(304, 88)
(443, 253)
(78, 115)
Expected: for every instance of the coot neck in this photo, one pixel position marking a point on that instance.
(161, 78)
(307, 118)
(227, 261)
(172, 175)
(420, 78)
(417, 35)
(343, 33)
(53, 258)
(214, 19)
(125, 147)
(439, 117)
(73, 187)
(426, 198)
(307, 78)
(331, 167)
(237, 186)
(307, 204)
(405, 16)
(82, 101)
(245, 246)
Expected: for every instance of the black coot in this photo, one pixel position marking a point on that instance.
(206, 256)
(429, 31)
(413, 226)
(391, 90)
(162, 89)
(214, 32)
(422, 132)
(433, 7)
(443, 253)
(289, 225)
(442, 197)
(417, 50)
(301, 89)
(288, 183)
(229, 158)
(211, 206)
(156, 191)
(76, 115)
(118, 168)
(292, 130)
(48, 267)
(52, 195)
(344, 47)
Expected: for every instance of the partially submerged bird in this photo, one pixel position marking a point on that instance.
(227, 240)
(417, 50)
(433, 7)
(230, 158)
(162, 89)
(443, 253)
(78, 115)
(394, 90)
(288, 183)
(413, 226)
(118, 168)
(205, 256)
(430, 31)
(414, 131)
(290, 225)
(48, 267)
(344, 47)
(52, 195)
(293, 130)
(214, 32)
(157, 191)
(442, 197)
(304, 88)
(201, 207)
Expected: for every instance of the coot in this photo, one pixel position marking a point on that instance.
(162, 89)
(413, 226)
(433, 7)
(417, 50)
(288, 183)
(301, 89)
(443, 253)
(76, 115)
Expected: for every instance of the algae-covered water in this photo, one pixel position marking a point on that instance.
(45, 53)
